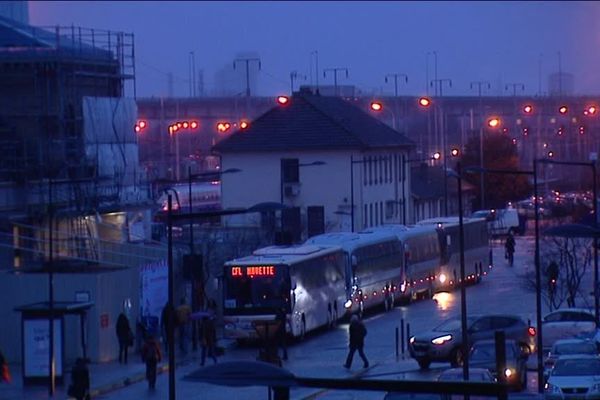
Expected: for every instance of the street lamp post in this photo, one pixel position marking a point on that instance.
(192, 247)
(479, 85)
(171, 317)
(463, 291)
(538, 279)
(591, 164)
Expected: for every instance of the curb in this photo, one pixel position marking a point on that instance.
(355, 375)
(111, 387)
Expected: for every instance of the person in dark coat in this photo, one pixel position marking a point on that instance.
(167, 319)
(124, 335)
(80, 380)
(281, 317)
(151, 356)
(357, 332)
(209, 339)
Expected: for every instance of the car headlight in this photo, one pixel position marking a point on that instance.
(443, 278)
(550, 388)
(411, 340)
(441, 339)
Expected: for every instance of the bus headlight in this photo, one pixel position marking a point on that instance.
(348, 304)
(443, 278)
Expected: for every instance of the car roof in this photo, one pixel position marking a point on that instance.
(572, 341)
(460, 370)
(579, 356)
(493, 341)
(571, 310)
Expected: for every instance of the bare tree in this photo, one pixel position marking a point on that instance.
(573, 256)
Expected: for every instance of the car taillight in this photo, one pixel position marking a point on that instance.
(531, 331)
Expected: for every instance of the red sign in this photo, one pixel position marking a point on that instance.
(255, 270)
(104, 320)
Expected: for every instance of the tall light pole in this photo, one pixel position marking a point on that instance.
(335, 72)
(316, 53)
(171, 316)
(396, 76)
(538, 278)
(442, 132)
(247, 61)
(463, 291)
(479, 85)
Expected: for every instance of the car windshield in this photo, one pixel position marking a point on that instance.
(575, 348)
(487, 352)
(451, 325)
(576, 367)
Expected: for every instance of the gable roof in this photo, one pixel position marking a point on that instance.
(313, 122)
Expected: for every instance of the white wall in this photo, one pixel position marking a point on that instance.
(328, 185)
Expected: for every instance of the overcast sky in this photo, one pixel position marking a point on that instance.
(499, 42)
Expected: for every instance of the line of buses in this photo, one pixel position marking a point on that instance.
(333, 274)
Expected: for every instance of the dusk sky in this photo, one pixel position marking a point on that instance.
(499, 42)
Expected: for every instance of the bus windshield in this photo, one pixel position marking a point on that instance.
(251, 289)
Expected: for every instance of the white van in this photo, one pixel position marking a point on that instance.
(501, 221)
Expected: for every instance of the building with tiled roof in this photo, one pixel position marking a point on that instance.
(321, 157)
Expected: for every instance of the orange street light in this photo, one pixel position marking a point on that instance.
(376, 106)
(563, 110)
(528, 109)
(493, 122)
(424, 102)
(283, 100)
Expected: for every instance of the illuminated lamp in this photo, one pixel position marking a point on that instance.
(376, 106)
(528, 109)
(244, 124)
(493, 122)
(179, 125)
(137, 128)
(142, 124)
(424, 102)
(283, 100)
(194, 124)
(437, 155)
(563, 110)
(455, 152)
(185, 124)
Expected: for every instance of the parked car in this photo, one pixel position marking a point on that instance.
(568, 347)
(483, 355)
(475, 375)
(565, 324)
(444, 342)
(574, 377)
(456, 375)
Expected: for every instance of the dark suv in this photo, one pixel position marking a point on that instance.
(444, 342)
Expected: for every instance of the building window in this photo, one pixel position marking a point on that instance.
(364, 164)
(290, 170)
(389, 209)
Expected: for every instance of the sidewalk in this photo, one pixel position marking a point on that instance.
(104, 377)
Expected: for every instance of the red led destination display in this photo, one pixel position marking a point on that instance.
(252, 271)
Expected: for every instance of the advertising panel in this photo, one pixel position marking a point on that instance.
(36, 347)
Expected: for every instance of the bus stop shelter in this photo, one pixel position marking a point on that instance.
(35, 334)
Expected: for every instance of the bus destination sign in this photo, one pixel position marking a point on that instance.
(252, 271)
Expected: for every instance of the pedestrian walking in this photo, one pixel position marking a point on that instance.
(4, 371)
(167, 320)
(183, 313)
(281, 318)
(208, 339)
(80, 381)
(124, 335)
(509, 246)
(357, 331)
(151, 356)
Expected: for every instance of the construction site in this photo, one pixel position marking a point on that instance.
(74, 203)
